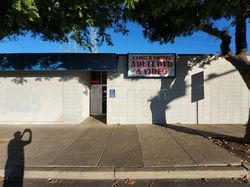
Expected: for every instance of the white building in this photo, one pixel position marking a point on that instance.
(67, 88)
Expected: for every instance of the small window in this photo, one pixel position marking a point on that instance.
(98, 78)
(95, 78)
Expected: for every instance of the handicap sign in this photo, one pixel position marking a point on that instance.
(112, 93)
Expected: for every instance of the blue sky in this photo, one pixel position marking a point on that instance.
(134, 42)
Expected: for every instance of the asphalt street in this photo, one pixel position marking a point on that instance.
(129, 183)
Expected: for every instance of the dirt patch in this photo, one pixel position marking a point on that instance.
(235, 146)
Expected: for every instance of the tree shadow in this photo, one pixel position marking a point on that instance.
(198, 60)
(174, 88)
(49, 65)
(58, 61)
(14, 167)
(199, 132)
(171, 89)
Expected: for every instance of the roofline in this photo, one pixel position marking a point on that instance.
(119, 54)
(57, 53)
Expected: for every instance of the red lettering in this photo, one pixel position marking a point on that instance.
(159, 71)
(138, 72)
(164, 63)
(170, 63)
(153, 71)
(164, 71)
(159, 64)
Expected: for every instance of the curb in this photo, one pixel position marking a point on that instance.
(134, 173)
(182, 174)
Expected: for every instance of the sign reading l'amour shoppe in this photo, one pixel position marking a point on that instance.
(151, 65)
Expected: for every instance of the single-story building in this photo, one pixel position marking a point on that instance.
(134, 88)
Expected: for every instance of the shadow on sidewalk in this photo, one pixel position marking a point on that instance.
(193, 131)
(14, 167)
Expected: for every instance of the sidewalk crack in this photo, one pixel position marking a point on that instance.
(139, 146)
(181, 146)
(99, 160)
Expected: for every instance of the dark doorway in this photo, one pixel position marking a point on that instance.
(98, 97)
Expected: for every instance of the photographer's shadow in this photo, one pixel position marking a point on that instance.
(14, 167)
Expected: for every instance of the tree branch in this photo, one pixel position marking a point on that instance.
(240, 28)
(240, 60)
(222, 35)
(242, 64)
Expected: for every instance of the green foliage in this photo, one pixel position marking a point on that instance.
(163, 21)
(55, 20)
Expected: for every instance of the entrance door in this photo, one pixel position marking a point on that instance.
(98, 99)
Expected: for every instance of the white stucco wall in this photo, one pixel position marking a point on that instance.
(44, 97)
(140, 101)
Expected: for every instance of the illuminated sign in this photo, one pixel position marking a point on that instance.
(151, 65)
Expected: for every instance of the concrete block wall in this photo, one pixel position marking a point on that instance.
(44, 97)
(222, 98)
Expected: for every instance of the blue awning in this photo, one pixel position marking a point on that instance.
(58, 61)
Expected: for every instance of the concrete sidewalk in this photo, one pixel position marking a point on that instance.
(95, 151)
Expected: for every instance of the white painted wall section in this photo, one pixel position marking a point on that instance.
(44, 97)
(169, 100)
